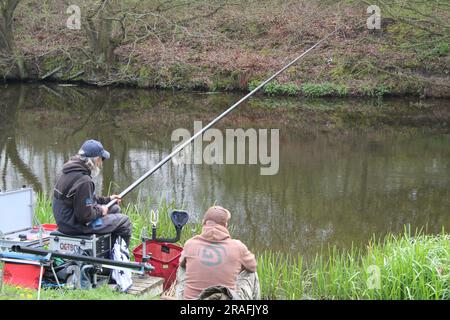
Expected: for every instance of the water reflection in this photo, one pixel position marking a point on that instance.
(338, 187)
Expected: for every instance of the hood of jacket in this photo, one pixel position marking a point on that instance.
(75, 164)
(214, 232)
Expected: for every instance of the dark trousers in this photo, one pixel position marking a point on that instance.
(116, 223)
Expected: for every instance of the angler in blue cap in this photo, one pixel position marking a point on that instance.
(76, 207)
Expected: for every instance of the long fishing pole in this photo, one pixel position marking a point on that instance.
(213, 122)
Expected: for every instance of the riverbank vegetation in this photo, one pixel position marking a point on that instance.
(413, 265)
(222, 45)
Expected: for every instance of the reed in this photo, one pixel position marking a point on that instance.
(43, 209)
(406, 267)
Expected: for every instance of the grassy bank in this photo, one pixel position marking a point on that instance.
(407, 266)
(226, 46)
(398, 267)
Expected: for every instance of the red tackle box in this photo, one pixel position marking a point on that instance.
(22, 275)
(47, 227)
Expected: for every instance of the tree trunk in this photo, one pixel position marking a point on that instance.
(7, 44)
(7, 8)
(100, 32)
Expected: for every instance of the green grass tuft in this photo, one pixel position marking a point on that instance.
(323, 90)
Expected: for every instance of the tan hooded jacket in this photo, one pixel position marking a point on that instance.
(213, 258)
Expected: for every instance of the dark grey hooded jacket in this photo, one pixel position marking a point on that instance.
(74, 201)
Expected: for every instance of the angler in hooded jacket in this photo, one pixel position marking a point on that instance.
(213, 260)
(76, 207)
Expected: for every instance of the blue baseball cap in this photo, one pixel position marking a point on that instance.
(93, 148)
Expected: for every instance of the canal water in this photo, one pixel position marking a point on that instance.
(348, 169)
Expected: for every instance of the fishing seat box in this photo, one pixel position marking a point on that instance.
(16, 221)
(98, 246)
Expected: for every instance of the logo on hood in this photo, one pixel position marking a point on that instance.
(211, 255)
